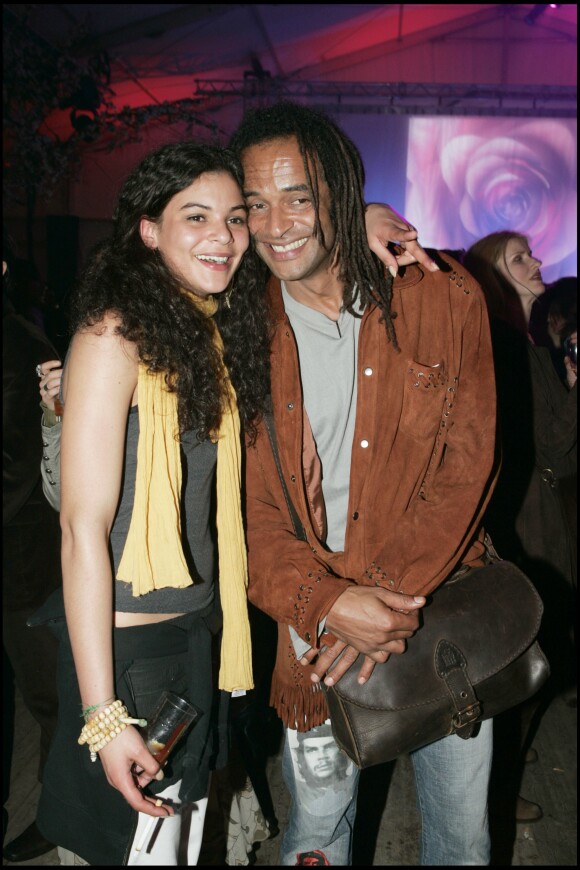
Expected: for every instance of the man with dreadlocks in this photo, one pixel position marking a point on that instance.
(384, 407)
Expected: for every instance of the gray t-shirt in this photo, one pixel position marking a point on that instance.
(328, 354)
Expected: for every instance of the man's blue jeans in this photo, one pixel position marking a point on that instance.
(452, 781)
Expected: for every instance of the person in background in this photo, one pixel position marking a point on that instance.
(30, 293)
(537, 436)
(562, 328)
(31, 546)
(561, 319)
(383, 394)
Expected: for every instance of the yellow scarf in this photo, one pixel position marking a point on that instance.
(153, 554)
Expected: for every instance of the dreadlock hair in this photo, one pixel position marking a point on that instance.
(126, 277)
(330, 158)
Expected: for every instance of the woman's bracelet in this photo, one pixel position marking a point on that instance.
(88, 710)
(105, 726)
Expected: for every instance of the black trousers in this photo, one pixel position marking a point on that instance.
(78, 809)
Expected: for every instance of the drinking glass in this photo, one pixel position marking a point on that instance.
(167, 724)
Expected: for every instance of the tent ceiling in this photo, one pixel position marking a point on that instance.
(173, 70)
(159, 52)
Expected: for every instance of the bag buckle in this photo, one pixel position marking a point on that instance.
(451, 667)
(467, 716)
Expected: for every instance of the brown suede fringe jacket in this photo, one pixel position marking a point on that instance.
(422, 469)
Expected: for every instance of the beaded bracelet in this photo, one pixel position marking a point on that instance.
(105, 726)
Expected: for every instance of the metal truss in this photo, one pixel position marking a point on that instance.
(400, 98)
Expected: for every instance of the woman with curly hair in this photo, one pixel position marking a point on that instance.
(168, 362)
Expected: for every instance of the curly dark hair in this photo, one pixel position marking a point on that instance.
(126, 277)
(325, 148)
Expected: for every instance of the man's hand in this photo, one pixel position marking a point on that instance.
(369, 620)
(340, 657)
(385, 225)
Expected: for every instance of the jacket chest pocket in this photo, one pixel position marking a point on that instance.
(423, 398)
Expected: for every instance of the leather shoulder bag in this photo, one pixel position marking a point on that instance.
(474, 656)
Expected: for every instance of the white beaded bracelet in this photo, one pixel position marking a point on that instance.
(105, 726)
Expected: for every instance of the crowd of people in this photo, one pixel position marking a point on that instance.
(249, 282)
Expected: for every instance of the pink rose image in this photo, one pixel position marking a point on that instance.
(467, 177)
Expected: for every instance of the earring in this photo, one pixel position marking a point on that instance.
(227, 298)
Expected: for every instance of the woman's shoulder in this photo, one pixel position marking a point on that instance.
(108, 324)
(105, 335)
(99, 353)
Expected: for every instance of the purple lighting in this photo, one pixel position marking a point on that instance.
(467, 177)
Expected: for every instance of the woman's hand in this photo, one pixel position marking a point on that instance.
(118, 759)
(50, 374)
(385, 225)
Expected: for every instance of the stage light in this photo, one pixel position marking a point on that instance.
(538, 10)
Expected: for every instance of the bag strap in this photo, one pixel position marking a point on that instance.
(490, 551)
(299, 529)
